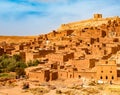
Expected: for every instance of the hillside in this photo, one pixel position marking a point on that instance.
(96, 21)
(80, 49)
(16, 39)
(76, 57)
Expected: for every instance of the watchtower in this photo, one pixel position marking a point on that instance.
(96, 16)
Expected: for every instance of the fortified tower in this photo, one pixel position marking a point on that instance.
(96, 16)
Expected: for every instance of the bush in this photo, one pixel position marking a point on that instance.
(20, 72)
(32, 63)
(9, 64)
(39, 91)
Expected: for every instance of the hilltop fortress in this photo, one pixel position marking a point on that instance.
(86, 49)
(95, 21)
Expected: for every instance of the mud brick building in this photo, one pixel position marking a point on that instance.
(85, 49)
(88, 48)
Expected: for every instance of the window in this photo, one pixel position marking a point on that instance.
(79, 76)
(70, 76)
(106, 77)
(106, 62)
(101, 71)
(61, 74)
(110, 71)
(112, 77)
(101, 77)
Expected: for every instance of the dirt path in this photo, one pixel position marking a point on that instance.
(14, 91)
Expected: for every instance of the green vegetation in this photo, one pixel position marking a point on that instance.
(12, 64)
(6, 75)
(32, 63)
(39, 91)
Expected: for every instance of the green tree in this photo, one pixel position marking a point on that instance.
(17, 57)
(11, 67)
(20, 72)
(8, 64)
(33, 63)
(4, 62)
(4, 56)
(29, 63)
(21, 64)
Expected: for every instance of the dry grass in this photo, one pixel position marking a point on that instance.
(39, 91)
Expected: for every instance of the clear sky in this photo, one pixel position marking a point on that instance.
(33, 17)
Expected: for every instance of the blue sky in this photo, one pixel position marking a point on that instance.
(34, 17)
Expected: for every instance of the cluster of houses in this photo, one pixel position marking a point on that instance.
(88, 49)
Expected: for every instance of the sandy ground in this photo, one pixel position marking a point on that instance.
(67, 86)
(16, 90)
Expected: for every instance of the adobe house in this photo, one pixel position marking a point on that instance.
(106, 70)
(80, 64)
(60, 47)
(38, 74)
(35, 54)
(66, 32)
(60, 57)
(31, 56)
(41, 73)
(74, 72)
(19, 47)
(19, 52)
(90, 74)
(51, 34)
(8, 50)
(53, 75)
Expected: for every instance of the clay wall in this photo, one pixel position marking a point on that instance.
(39, 76)
(53, 75)
(76, 74)
(89, 75)
(19, 47)
(60, 57)
(81, 64)
(62, 74)
(107, 71)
